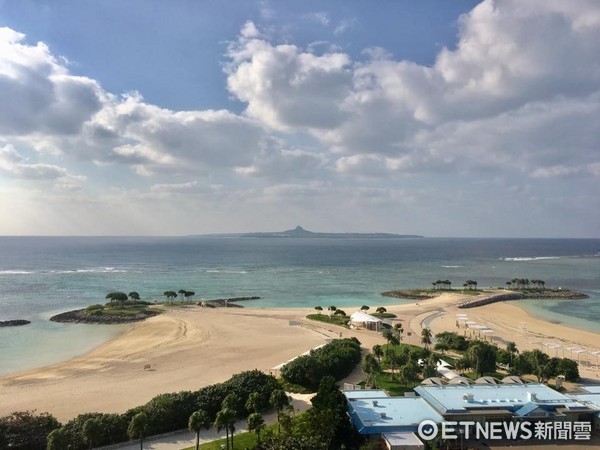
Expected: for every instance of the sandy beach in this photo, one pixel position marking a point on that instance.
(188, 348)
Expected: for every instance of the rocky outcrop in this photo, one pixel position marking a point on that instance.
(410, 294)
(14, 323)
(549, 294)
(228, 302)
(82, 316)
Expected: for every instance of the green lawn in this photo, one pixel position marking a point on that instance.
(240, 441)
(393, 386)
(333, 320)
(385, 315)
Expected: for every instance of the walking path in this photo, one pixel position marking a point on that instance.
(178, 440)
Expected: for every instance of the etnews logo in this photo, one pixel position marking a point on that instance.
(429, 430)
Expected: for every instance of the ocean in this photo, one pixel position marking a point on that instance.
(41, 276)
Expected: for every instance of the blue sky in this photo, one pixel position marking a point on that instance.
(459, 118)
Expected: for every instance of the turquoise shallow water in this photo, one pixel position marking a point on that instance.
(43, 276)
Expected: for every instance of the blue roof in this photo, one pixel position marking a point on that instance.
(591, 400)
(591, 388)
(389, 414)
(366, 393)
(527, 409)
(510, 397)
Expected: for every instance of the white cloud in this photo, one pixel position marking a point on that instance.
(37, 94)
(514, 107)
(14, 165)
(521, 90)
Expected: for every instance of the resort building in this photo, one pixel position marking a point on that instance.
(396, 419)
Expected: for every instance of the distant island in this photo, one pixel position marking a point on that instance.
(301, 233)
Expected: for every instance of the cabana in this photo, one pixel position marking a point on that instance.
(360, 319)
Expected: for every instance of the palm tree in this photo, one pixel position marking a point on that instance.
(256, 423)
(511, 348)
(138, 427)
(409, 334)
(198, 420)
(279, 400)
(409, 372)
(426, 337)
(58, 440)
(253, 403)
(391, 340)
(371, 367)
(378, 352)
(225, 420)
(91, 431)
(399, 330)
(393, 360)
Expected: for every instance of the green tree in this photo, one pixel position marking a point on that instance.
(391, 339)
(381, 310)
(92, 429)
(409, 372)
(279, 400)
(225, 420)
(511, 348)
(398, 329)
(119, 297)
(26, 430)
(58, 440)
(134, 296)
(568, 368)
(138, 428)
(371, 367)
(198, 420)
(234, 403)
(256, 423)
(378, 352)
(393, 360)
(254, 402)
(426, 337)
(319, 309)
(364, 308)
(482, 356)
(170, 295)
(189, 294)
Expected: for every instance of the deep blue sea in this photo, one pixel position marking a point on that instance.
(41, 276)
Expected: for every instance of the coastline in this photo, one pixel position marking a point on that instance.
(187, 348)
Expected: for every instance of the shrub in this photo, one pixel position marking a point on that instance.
(25, 430)
(113, 426)
(338, 359)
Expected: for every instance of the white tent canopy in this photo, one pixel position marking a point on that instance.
(361, 319)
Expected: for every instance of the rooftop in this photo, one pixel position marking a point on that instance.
(388, 414)
(510, 397)
(592, 389)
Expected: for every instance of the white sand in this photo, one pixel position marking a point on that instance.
(189, 348)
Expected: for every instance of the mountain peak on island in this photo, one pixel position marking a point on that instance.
(300, 232)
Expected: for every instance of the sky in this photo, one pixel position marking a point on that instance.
(146, 117)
